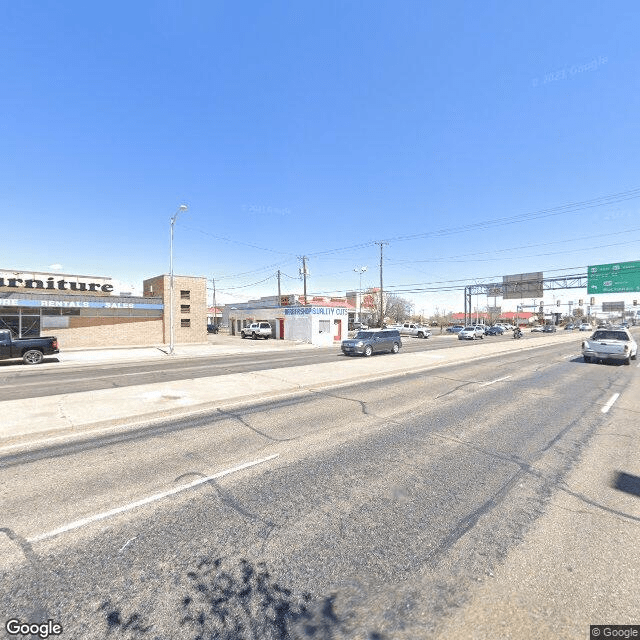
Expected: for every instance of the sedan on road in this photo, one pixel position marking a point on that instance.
(496, 330)
(457, 329)
(471, 333)
(549, 328)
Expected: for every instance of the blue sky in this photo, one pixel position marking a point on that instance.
(318, 129)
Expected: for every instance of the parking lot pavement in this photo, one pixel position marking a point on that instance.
(72, 413)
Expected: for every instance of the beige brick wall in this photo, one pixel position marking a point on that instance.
(197, 303)
(109, 332)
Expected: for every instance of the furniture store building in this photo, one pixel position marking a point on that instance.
(84, 311)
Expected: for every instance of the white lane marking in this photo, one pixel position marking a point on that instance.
(609, 404)
(126, 544)
(139, 503)
(484, 384)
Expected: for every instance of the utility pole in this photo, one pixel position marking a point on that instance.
(279, 297)
(303, 271)
(381, 288)
(213, 280)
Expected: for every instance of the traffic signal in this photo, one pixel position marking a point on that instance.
(557, 303)
(593, 301)
(635, 303)
(580, 302)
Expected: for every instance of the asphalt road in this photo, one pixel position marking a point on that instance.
(18, 381)
(369, 511)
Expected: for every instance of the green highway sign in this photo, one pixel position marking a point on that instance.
(618, 277)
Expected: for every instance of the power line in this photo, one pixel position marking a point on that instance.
(526, 246)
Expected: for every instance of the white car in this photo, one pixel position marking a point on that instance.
(585, 326)
(471, 333)
(539, 328)
(610, 344)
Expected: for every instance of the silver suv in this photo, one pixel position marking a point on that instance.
(367, 343)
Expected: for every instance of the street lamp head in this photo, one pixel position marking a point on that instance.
(183, 207)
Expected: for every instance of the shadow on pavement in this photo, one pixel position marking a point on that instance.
(627, 483)
(236, 601)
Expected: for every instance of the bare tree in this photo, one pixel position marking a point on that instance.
(397, 309)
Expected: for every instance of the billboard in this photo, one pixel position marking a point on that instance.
(523, 285)
(494, 289)
(618, 277)
(613, 306)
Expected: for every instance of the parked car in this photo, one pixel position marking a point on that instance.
(496, 330)
(585, 326)
(455, 329)
(569, 327)
(31, 350)
(549, 328)
(366, 343)
(538, 328)
(212, 328)
(257, 330)
(358, 326)
(610, 344)
(471, 333)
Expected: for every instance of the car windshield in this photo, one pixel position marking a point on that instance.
(469, 328)
(610, 335)
(364, 334)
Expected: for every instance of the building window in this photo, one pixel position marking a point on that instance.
(185, 322)
(185, 308)
(185, 295)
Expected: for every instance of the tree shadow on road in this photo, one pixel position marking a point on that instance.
(225, 600)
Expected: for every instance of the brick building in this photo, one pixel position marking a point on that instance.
(84, 311)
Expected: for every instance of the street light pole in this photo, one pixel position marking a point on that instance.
(183, 207)
(360, 270)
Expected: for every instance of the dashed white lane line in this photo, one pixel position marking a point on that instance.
(76, 524)
(484, 384)
(609, 404)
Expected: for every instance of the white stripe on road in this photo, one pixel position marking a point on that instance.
(609, 404)
(139, 503)
(484, 384)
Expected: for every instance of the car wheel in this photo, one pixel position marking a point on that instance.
(368, 350)
(482, 337)
(395, 348)
(253, 335)
(628, 360)
(420, 334)
(587, 358)
(243, 334)
(33, 356)
(633, 357)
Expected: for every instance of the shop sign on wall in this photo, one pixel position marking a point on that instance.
(72, 304)
(323, 311)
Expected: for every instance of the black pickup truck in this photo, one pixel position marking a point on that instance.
(31, 350)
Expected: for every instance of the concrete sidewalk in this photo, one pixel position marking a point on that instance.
(72, 414)
(220, 344)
